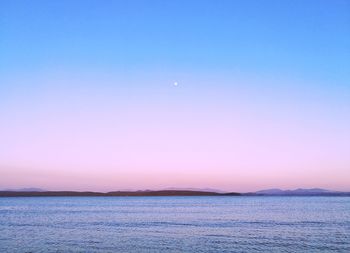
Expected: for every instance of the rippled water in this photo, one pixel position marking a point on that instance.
(175, 224)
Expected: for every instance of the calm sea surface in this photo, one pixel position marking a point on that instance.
(175, 224)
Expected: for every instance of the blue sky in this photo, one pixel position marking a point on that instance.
(263, 98)
(295, 38)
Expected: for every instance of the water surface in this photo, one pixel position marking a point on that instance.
(175, 224)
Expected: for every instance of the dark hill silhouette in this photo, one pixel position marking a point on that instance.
(114, 193)
(168, 192)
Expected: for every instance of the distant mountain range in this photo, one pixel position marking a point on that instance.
(25, 190)
(300, 192)
(194, 189)
(36, 192)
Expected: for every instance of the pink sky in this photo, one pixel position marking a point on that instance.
(143, 133)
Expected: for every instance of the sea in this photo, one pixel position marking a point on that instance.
(175, 224)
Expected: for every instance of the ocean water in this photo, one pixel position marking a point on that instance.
(175, 224)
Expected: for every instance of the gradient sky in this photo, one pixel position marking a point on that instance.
(88, 102)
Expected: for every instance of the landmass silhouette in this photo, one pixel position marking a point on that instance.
(178, 192)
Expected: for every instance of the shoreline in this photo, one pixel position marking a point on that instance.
(161, 193)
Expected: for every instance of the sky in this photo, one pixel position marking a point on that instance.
(88, 101)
